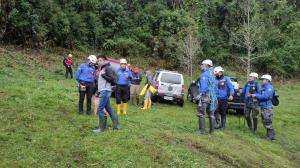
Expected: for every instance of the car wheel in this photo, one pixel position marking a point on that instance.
(181, 103)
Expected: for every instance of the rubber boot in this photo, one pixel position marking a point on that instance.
(249, 123)
(149, 104)
(211, 125)
(116, 123)
(102, 124)
(131, 99)
(270, 135)
(218, 124)
(118, 108)
(124, 108)
(137, 101)
(223, 122)
(254, 125)
(201, 130)
(145, 105)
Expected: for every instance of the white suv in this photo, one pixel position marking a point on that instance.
(169, 86)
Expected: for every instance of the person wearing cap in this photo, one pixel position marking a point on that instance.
(207, 92)
(85, 77)
(122, 89)
(135, 85)
(265, 102)
(251, 87)
(224, 92)
(68, 62)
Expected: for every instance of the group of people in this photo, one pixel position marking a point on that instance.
(216, 90)
(97, 77)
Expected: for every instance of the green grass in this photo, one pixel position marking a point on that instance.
(40, 127)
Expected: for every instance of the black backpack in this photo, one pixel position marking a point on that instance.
(275, 98)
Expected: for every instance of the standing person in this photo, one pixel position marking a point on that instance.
(265, 102)
(85, 77)
(251, 87)
(96, 92)
(68, 62)
(207, 97)
(147, 97)
(122, 90)
(135, 85)
(224, 92)
(105, 82)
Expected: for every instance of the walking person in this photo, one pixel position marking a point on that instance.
(135, 86)
(224, 92)
(265, 102)
(250, 88)
(122, 89)
(105, 82)
(85, 77)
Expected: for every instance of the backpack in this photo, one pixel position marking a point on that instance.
(65, 58)
(275, 98)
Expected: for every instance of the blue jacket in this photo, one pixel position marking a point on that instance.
(265, 96)
(124, 76)
(85, 72)
(223, 88)
(251, 87)
(204, 82)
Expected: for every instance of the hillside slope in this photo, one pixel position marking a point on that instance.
(40, 127)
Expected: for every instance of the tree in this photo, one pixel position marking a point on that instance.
(189, 47)
(249, 36)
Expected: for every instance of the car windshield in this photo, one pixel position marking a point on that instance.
(171, 78)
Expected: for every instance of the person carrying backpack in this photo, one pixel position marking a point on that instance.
(251, 103)
(224, 91)
(85, 77)
(265, 102)
(68, 62)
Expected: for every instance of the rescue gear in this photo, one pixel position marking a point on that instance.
(201, 121)
(146, 102)
(267, 76)
(253, 74)
(266, 95)
(92, 59)
(123, 61)
(208, 62)
(124, 108)
(118, 108)
(218, 69)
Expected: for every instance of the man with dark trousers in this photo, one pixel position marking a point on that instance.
(224, 92)
(85, 78)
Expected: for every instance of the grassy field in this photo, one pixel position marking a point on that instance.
(40, 127)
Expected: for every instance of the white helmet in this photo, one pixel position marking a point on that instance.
(208, 62)
(267, 76)
(123, 61)
(218, 69)
(253, 74)
(93, 59)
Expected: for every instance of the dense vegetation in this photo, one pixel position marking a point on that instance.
(154, 28)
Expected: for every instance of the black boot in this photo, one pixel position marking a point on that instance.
(254, 124)
(116, 123)
(223, 120)
(270, 135)
(201, 130)
(137, 101)
(249, 123)
(102, 124)
(211, 125)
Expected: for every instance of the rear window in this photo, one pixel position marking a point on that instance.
(171, 78)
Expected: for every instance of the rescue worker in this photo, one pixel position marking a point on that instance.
(206, 97)
(105, 82)
(224, 92)
(122, 89)
(265, 102)
(85, 78)
(147, 97)
(251, 87)
(68, 62)
(135, 85)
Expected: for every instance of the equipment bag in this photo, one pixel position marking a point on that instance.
(275, 98)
